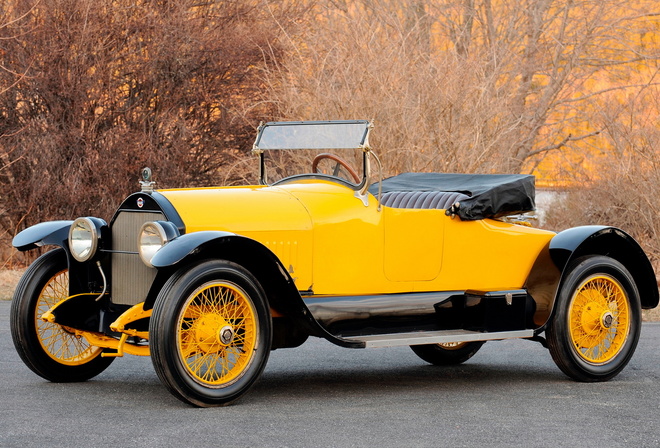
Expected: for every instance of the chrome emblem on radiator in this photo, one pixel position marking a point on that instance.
(140, 202)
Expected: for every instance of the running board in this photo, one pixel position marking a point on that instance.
(436, 337)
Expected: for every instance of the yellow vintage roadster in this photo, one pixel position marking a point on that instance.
(208, 281)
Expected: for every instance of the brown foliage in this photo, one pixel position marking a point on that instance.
(464, 85)
(93, 90)
(624, 187)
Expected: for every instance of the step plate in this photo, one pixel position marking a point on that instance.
(436, 337)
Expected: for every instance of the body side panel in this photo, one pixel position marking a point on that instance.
(361, 250)
(489, 255)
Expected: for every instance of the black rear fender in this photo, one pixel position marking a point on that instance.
(550, 268)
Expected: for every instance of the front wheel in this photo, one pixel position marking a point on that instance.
(50, 350)
(449, 354)
(210, 333)
(596, 326)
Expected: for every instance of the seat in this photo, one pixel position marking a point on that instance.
(421, 199)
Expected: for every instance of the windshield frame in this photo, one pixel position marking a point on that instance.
(350, 134)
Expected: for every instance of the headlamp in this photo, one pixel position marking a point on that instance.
(152, 236)
(83, 239)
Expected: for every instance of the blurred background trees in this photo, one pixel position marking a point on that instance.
(472, 85)
(91, 91)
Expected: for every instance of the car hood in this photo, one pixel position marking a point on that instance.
(241, 210)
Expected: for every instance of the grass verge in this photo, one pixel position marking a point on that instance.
(8, 281)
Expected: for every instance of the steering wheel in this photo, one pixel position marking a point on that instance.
(339, 163)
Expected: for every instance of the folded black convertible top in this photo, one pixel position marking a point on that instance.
(490, 195)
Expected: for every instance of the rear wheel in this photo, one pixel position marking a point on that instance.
(597, 322)
(210, 333)
(52, 351)
(448, 354)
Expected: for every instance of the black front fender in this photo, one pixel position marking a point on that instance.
(252, 255)
(187, 245)
(281, 291)
(193, 247)
(43, 234)
(56, 233)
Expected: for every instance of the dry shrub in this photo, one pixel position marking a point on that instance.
(8, 280)
(623, 188)
(626, 199)
(428, 111)
(469, 86)
(93, 90)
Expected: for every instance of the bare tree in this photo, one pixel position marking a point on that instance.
(493, 86)
(93, 90)
(623, 187)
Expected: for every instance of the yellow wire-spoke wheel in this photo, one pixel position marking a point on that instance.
(58, 342)
(596, 319)
(52, 351)
(599, 319)
(452, 345)
(217, 333)
(210, 332)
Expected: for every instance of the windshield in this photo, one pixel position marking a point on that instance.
(313, 135)
(332, 149)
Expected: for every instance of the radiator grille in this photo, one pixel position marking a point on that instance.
(131, 278)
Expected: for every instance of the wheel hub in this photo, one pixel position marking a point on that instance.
(607, 319)
(226, 335)
(592, 317)
(213, 333)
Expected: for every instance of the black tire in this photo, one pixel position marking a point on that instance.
(210, 333)
(447, 354)
(50, 350)
(597, 320)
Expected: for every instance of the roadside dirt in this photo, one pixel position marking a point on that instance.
(8, 280)
(651, 315)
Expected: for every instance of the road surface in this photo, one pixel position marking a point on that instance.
(508, 394)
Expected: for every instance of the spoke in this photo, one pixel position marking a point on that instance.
(195, 363)
(599, 343)
(207, 358)
(58, 343)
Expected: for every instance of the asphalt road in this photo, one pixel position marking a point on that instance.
(509, 394)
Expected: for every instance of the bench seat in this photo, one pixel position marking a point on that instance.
(422, 199)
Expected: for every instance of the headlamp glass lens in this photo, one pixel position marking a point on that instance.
(152, 237)
(82, 239)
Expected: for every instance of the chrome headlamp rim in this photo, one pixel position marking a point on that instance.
(160, 233)
(83, 239)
